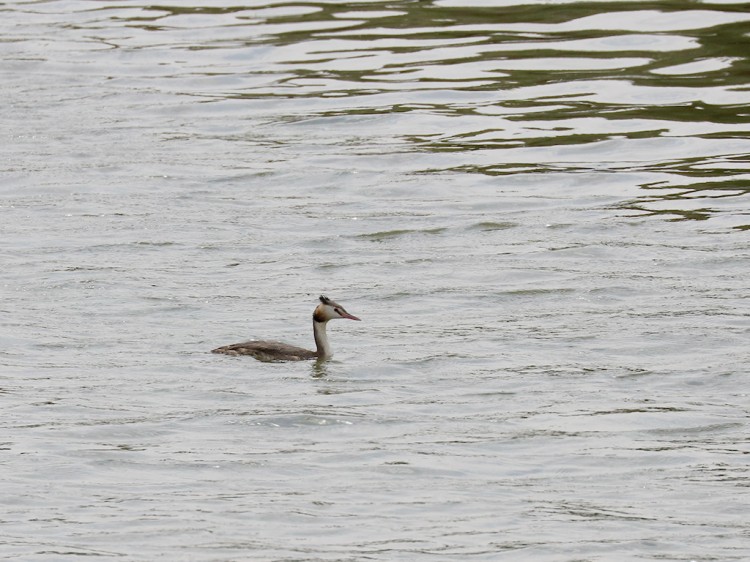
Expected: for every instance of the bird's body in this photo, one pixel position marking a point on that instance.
(268, 351)
(278, 351)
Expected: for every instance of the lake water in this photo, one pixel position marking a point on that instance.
(539, 210)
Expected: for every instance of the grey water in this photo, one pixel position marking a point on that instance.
(540, 212)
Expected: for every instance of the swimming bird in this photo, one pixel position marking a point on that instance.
(277, 351)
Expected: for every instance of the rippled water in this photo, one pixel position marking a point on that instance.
(539, 211)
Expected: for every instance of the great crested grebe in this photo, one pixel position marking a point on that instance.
(277, 351)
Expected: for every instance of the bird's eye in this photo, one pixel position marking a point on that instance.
(337, 311)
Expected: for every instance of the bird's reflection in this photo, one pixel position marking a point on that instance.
(319, 369)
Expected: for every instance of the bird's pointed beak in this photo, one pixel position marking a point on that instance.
(345, 314)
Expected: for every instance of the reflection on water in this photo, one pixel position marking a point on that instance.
(507, 87)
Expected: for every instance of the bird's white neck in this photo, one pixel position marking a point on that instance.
(321, 340)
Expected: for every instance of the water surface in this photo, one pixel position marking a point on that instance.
(538, 210)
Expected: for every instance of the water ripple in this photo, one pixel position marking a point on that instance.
(538, 212)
